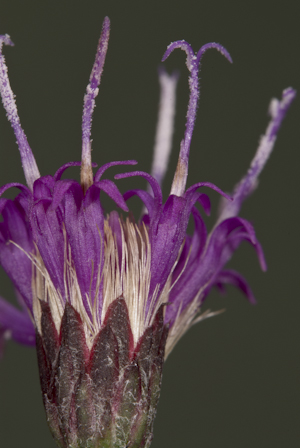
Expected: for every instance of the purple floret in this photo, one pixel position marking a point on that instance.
(58, 227)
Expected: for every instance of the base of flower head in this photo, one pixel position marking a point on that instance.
(106, 396)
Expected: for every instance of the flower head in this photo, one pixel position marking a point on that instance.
(107, 297)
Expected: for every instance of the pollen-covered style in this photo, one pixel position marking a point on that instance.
(107, 298)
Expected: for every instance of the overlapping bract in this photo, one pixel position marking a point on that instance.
(106, 396)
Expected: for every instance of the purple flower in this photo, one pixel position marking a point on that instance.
(73, 266)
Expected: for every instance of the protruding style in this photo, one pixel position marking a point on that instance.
(86, 174)
(277, 111)
(8, 99)
(193, 65)
(165, 124)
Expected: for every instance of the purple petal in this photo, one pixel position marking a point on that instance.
(14, 184)
(3, 203)
(16, 323)
(228, 235)
(153, 183)
(166, 238)
(42, 188)
(103, 168)
(112, 191)
(62, 169)
(204, 200)
(194, 187)
(235, 240)
(234, 278)
(28, 161)
(84, 227)
(60, 189)
(188, 284)
(202, 272)
(191, 253)
(15, 229)
(147, 199)
(47, 227)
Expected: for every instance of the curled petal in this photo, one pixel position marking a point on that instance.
(204, 200)
(194, 187)
(235, 240)
(103, 168)
(111, 190)
(201, 273)
(153, 183)
(147, 199)
(62, 169)
(234, 278)
(22, 187)
(16, 324)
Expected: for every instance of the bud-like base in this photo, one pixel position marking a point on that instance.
(107, 396)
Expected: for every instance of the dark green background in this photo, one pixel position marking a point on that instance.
(232, 381)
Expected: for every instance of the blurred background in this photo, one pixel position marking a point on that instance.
(233, 380)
